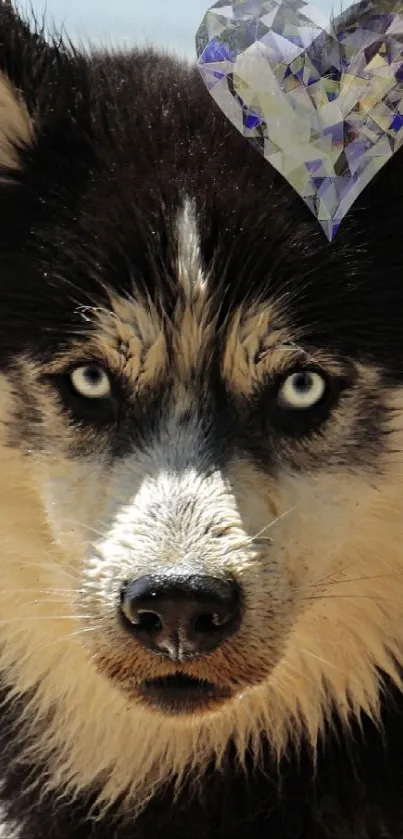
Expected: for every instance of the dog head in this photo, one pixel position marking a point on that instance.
(201, 425)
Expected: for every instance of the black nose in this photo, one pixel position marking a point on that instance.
(181, 618)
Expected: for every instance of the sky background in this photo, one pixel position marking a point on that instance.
(170, 23)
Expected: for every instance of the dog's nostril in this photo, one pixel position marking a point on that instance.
(210, 622)
(147, 621)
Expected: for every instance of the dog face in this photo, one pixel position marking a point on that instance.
(198, 395)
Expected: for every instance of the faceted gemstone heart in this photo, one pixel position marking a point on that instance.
(323, 102)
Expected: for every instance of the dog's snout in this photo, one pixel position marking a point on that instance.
(181, 618)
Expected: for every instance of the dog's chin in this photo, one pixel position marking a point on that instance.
(180, 695)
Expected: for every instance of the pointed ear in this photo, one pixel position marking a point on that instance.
(16, 125)
(24, 53)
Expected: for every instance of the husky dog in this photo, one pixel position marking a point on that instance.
(201, 449)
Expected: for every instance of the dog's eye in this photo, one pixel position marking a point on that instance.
(302, 390)
(91, 381)
(90, 394)
(301, 402)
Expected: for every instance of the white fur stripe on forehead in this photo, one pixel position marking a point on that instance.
(190, 271)
(193, 319)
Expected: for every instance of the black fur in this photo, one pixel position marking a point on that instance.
(120, 141)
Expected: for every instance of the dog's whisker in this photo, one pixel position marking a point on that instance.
(259, 538)
(273, 522)
(51, 591)
(42, 618)
(71, 635)
(325, 661)
(288, 666)
(344, 597)
(338, 582)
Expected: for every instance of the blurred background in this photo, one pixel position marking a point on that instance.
(167, 23)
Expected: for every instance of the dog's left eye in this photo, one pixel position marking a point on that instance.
(301, 390)
(91, 381)
(298, 403)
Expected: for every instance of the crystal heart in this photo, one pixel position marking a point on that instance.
(323, 102)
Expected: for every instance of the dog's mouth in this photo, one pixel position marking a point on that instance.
(180, 694)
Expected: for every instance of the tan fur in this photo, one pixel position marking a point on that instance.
(261, 343)
(16, 127)
(317, 552)
(129, 339)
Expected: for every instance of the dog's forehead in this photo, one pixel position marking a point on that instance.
(136, 332)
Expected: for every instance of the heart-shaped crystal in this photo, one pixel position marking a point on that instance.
(323, 102)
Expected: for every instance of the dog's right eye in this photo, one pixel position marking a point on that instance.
(89, 393)
(91, 381)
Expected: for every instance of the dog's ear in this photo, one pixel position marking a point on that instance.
(25, 59)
